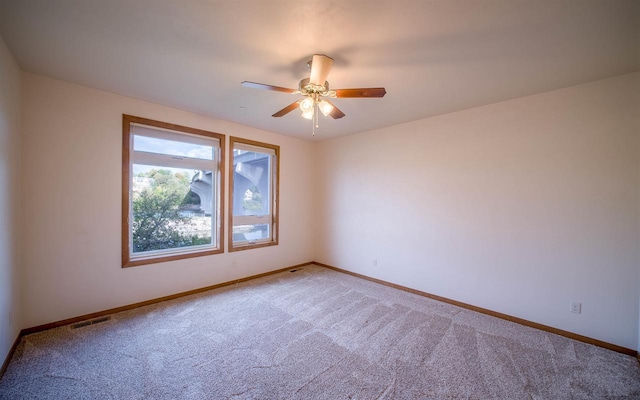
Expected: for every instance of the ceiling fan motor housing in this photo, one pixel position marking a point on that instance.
(309, 89)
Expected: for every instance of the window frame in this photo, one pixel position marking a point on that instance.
(275, 193)
(219, 195)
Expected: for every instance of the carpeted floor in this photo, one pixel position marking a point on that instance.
(312, 334)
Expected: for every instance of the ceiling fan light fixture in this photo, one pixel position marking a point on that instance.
(308, 114)
(306, 105)
(325, 107)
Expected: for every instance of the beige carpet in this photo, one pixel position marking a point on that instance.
(312, 334)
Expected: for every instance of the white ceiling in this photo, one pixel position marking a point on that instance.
(432, 56)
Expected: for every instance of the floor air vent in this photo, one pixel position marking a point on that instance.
(90, 322)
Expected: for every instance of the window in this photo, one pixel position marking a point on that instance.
(172, 190)
(253, 195)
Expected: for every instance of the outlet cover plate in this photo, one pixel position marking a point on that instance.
(575, 307)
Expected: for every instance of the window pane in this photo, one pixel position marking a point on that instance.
(253, 219)
(251, 183)
(172, 147)
(250, 233)
(171, 208)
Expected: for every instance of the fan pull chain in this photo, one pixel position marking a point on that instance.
(315, 119)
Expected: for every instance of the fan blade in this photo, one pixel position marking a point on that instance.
(287, 109)
(362, 92)
(320, 67)
(268, 87)
(336, 113)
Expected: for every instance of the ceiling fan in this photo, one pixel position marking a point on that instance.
(315, 90)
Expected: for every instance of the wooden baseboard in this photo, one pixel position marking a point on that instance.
(517, 320)
(110, 311)
(12, 350)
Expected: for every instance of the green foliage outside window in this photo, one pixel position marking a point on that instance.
(157, 223)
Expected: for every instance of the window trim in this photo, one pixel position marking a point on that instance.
(275, 200)
(183, 253)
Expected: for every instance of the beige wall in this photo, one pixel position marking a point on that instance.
(72, 177)
(10, 148)
(520, 207)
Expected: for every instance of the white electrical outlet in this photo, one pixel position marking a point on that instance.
(375, 262)
(575, 307)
